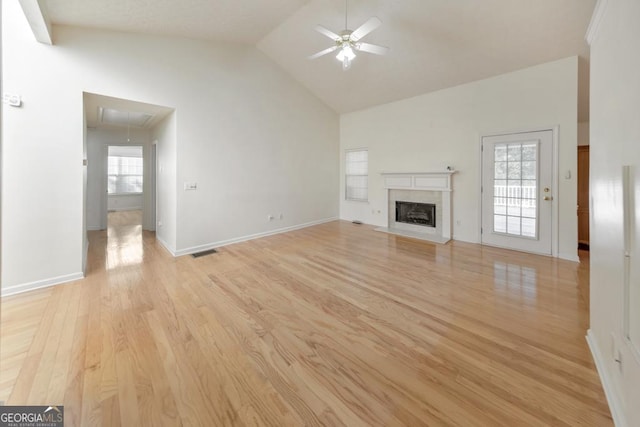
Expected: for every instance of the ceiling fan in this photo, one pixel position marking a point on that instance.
(348, 41)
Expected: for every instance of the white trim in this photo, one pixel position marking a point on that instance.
(86, 255)
(555, 188)
(214, 245)
(596, 19)
(166, 245)
(480, 153)
(94, 228)
(39, 284)
(38, 17)
(569, 257)
(448, 172)
(346, 199)
(615, 406)
(435, 181)
(555, 207)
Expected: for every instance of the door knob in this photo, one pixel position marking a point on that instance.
(547, 198)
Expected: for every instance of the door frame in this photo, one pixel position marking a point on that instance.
(555, 210)
(580, 207)
(153, 172)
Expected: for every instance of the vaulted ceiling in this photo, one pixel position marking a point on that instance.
(434, 44)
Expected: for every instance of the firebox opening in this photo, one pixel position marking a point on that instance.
(416, 213)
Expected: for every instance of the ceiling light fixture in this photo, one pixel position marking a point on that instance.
(348, 42)
(113, 117)
(346, 55)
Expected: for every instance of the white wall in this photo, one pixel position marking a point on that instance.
(254, 139)
(443, 128)
(85, 187)
(615, 141)
(98, 140)
(166, 207)
(42, 239)
(95, 181)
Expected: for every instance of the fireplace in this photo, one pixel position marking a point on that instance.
(423, 214)
(419, 204)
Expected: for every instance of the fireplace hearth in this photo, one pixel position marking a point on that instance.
(423, 214)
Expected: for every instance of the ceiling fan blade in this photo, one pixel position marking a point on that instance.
(323, 52)
(373, 23)
(327, 32)
(372, 48)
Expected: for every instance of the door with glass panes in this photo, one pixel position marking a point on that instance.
(517, 182)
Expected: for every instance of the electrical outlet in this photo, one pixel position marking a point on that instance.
(12, 100)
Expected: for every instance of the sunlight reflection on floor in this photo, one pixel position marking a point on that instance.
(124, 239)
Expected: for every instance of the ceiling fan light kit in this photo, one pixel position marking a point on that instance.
(348, 42)
(346, 55)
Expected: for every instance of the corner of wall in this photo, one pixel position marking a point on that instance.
(615, 405)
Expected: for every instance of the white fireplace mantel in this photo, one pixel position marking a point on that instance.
(429, 181)
(439, 181)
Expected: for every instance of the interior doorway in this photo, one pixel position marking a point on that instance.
(583, 197)
(120, 200)
(517, 191)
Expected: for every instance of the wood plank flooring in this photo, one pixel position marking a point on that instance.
(333, 325)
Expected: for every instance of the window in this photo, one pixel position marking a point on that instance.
(515, 189)
(124, 170)
(357, 175)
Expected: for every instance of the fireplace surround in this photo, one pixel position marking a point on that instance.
(416, 189)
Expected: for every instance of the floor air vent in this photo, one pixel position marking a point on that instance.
(203, 253)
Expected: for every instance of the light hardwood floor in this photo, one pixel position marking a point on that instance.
(331, 325)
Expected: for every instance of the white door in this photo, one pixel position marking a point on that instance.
(517, 198)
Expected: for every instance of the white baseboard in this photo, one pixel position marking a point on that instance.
(94, 228)
(86, 257)
(18, 289)
(25, 287)
(569, 257)
(612, 398)
(166, 245)
(214, 245)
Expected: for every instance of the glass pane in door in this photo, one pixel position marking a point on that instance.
(515, 189)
